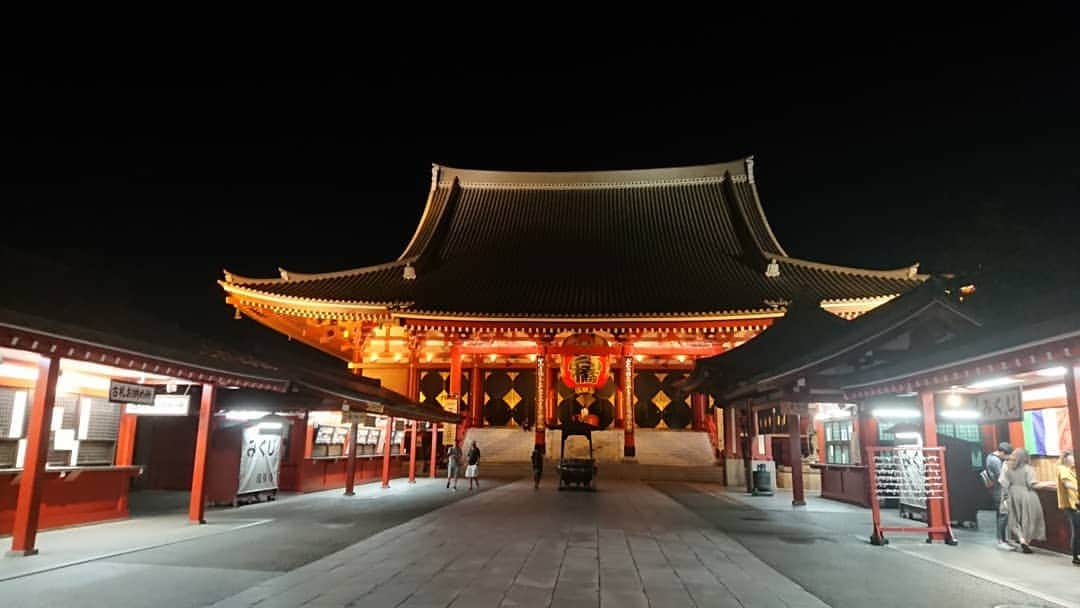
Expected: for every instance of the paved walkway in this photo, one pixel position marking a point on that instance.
(1046, 575)
(152, 562)
(626, 545)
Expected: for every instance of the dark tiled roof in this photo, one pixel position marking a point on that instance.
(47, 299)
(665, 241)
(988, 341)
(805, 337)
(805, 327)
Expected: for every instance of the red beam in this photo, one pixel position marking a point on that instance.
(936, 510)
(476, 396)
(412, 452)
(28, 503)
(699, 403)
(434, 448)
(798, 497)
(350, 464)
(197, 506)
(386, 452)
(125, 440)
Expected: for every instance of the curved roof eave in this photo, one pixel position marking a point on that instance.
(446, 175)
(739, 315)
(341, 306)
(910, 272)
(288, 276)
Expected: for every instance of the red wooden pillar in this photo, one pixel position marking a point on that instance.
(935, 508)
(1016, 433)
(551, 383)
(386, 451)
(412, 381)
(434, 448)
(798, 497)
(750, 450)
(627, 388)
(28, 502)
(454, 391)
(865, 427)
(620, 403)
(350, 464)
(731, 433)
(699, 402)
(476, 395)
(125, 440)
(1072, 405)
(125, 448)
(540, 406)
(197, 506)
(412, 452)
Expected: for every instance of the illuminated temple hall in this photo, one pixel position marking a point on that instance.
(526, 300)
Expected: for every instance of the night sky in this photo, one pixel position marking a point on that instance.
(956, 146)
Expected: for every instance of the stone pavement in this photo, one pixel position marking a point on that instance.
(625, 545)
(1046, 575)
(65, 547)
(150, 562)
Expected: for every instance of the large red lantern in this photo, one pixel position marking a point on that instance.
(587, 368)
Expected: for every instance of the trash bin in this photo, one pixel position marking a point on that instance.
(762, 481)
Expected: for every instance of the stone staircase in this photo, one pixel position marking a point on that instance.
(674, 448)
(661, 455)
(500, 444)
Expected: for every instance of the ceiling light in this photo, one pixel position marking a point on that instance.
(994, 382)
(20, 372)
(954, 400)
(1056, 391)
(244, 415)
(960, 414)
(896, 412)
(1051, 372)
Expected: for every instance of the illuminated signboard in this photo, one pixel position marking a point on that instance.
(163, 405)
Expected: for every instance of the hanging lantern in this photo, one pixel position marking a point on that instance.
(588, 367)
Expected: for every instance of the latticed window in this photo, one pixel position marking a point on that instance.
(838, 442)
(966, 431)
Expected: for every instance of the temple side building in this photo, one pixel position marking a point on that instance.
(526, 299)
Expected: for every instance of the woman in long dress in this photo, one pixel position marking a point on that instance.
(1026, 520)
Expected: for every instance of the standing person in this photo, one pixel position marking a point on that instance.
(994, 464)
(537, 466)
(453, 462)
(1025, 511)
(472, 472)
(1069, 499)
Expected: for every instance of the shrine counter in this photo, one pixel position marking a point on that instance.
(845, 482)
(71, 495)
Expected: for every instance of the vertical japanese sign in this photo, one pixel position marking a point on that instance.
(449, 404)
(260, 457)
